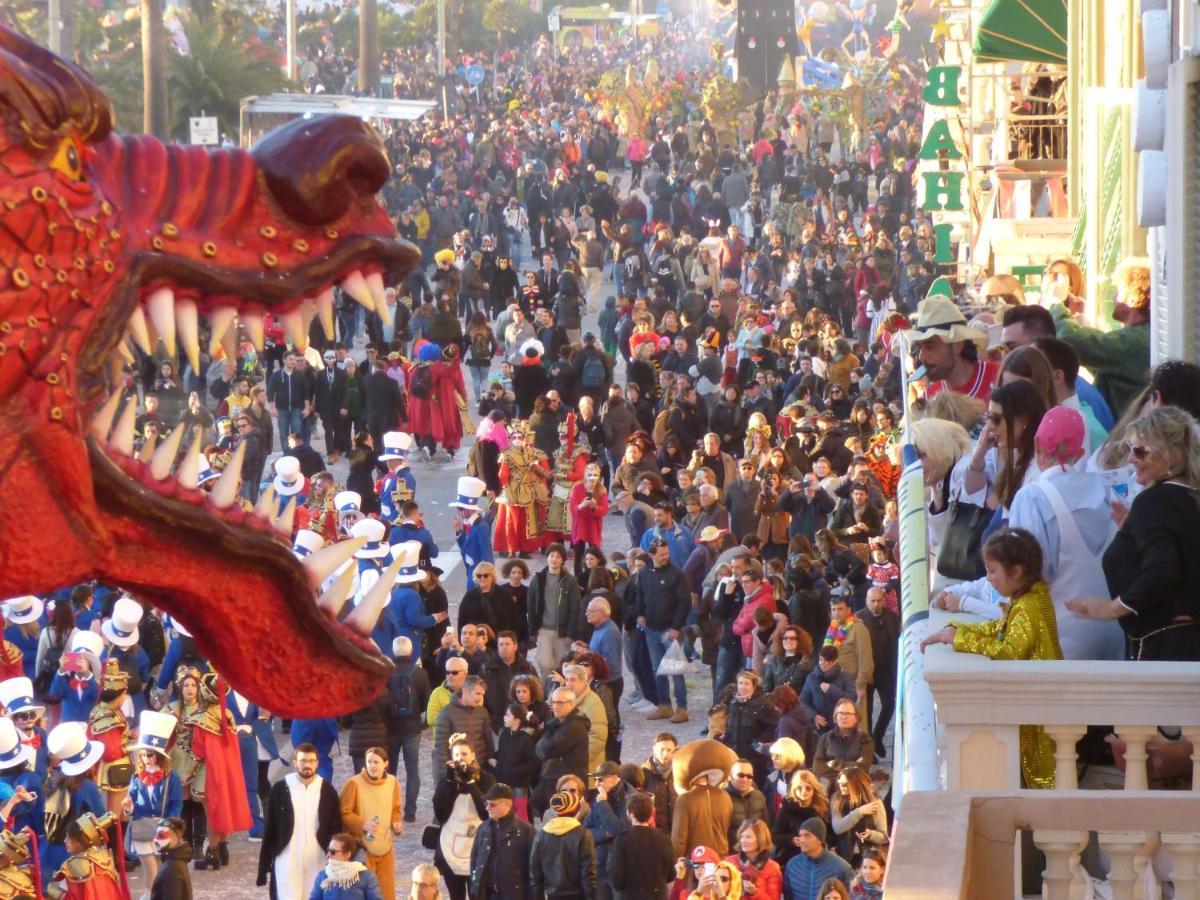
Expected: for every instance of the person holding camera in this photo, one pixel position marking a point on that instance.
(459, 809)
(809, 505)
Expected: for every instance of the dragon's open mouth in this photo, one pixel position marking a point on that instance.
(154, 490)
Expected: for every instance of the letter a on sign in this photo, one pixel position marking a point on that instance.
(939, 140)
(942, 87)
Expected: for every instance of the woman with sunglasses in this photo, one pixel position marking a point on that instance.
(1003, 461)
(1152, 566)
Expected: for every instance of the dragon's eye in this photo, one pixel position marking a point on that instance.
(68, 159)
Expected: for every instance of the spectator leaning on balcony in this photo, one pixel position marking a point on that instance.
(1013, 561)
(1153, 564)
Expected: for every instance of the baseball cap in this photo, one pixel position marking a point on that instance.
(607, 768)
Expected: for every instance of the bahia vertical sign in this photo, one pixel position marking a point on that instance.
(943, 186)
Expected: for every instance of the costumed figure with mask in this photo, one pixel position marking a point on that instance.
(521, 509)
(108, 725)
(570, 463)
(425, 419)
(318, 513)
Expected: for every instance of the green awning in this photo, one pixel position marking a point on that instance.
(1022, 31)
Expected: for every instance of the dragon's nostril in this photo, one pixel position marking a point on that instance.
(316, 168)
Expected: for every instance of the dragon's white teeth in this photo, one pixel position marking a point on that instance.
(252, 321)
(266, 504)
(187, 322)
(146, 451)
(164, 455)
(333, 601)
(225, 491)
(221, 319)
(102, 424)
(375, 285)
(188, 473)
(161, 307)
(363, 617)
(138, 331)
(356, 286)
(324, 301)
(121, 440)
(286, 520)
(324, 562)
(293, 324)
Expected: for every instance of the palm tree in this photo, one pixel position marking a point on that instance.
(224, 64)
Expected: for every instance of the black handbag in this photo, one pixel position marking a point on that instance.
(959, 554)
(430, 836)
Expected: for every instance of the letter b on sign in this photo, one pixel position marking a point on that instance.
(941, 89)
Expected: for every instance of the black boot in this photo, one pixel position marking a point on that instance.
(223, 853)
(210, 860)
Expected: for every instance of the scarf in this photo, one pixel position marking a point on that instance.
(80, 684)
(151, 778)
(341, 873)
(35, 742)
(836, 635)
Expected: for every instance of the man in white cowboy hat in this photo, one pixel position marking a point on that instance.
(406, 605)
(370, 557)
(411, 527)
(289, 482)
(17, 698)
(122, 634)
(349, 511)
(76, 684)
(949, 350)
(22, 616)
(399, 484)
(472, 533)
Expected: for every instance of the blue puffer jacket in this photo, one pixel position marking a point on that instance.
(365, 888)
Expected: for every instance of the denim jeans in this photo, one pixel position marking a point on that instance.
(730, 661)
(290, 422)
(657, 643)
(637, 657)
(410, 746)
(248, 748)
(479, 379)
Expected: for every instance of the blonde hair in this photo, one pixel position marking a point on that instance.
(790, 753)
(818, 800)
(1175, 434)
(426, 873)
(1132, 277)
(485, 568)
(958, 408)
(942, 442)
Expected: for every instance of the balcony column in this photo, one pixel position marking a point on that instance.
(1066, 772)
(1122, 847)
(1135, 737)
(1185, 874)
(1193, 734)
(1060, 848)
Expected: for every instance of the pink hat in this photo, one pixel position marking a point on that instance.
(1061, 434)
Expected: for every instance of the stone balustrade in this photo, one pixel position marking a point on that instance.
(981, 703)
(949, 845)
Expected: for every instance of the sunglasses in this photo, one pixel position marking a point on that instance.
(1137, 451)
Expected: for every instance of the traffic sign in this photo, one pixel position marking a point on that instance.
(204, 130)
(475, 75)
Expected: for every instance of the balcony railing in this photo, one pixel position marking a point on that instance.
(981, 703)
(950, 845)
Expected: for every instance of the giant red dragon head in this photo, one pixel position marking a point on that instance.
(108, 238)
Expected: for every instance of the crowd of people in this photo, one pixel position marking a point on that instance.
(733, 417)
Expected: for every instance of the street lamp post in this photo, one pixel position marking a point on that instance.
(441, 58)
(290, 58)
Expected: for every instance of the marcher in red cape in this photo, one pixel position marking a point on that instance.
(205, 753)
(426, 420)
(89, 872)
(451, 391)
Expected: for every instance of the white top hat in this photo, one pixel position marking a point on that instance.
(307, 541)
(410, 554)
(12, 751)
(177, 626)
(396, 445)
(22, 610)
(68, 743)
(347, 501)
(122, 629)
(154, 731)
(16, 695)
(373, 530)
(469, 491)
(92, 644)
(288, 481)
(207, 472)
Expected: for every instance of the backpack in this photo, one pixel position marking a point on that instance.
(481, 347)
(592, 373)
(50, 664)
(422, 382)
(404, 696)
(633, 265)
(659, 432)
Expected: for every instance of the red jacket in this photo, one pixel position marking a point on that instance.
(744, 623)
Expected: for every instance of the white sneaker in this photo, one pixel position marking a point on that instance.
(645, 706)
